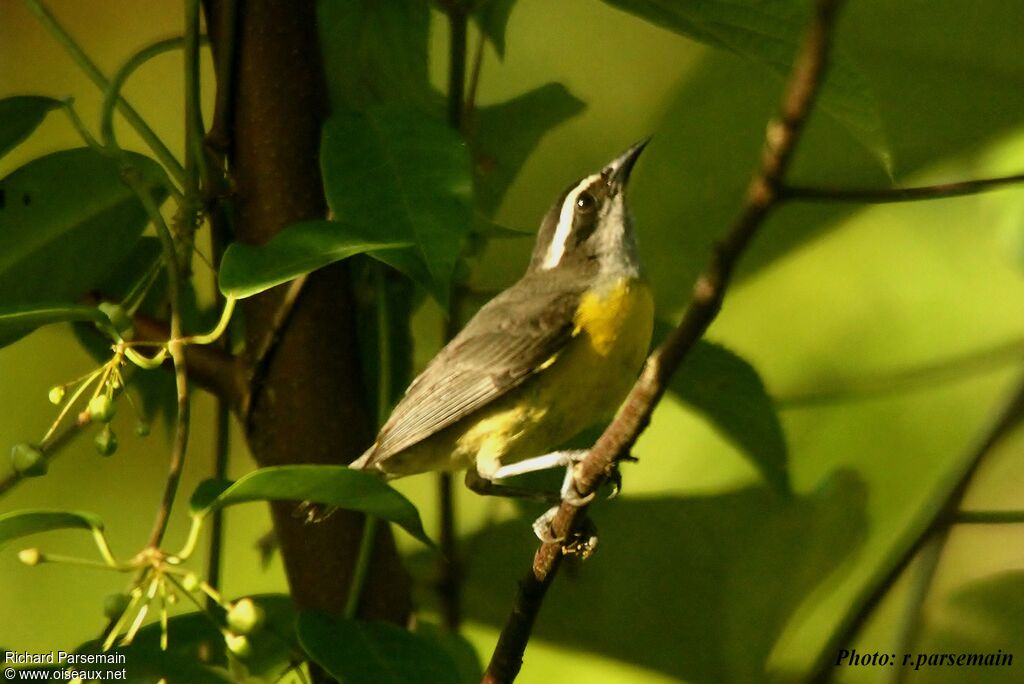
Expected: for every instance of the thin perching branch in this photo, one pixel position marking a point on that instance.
(763, 194)
(893, 195)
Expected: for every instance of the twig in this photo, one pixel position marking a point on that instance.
(614, 444)
(945, 515)
(261, 359)
(50, 448)
(209, 366)
(449, 572)
(474, 81)
(457, 25)
(892, 195)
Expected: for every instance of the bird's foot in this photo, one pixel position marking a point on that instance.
(581, 542)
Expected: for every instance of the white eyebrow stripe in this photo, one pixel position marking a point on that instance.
(557, 247)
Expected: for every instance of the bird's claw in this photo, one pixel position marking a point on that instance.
(582, 543)
(310, 512)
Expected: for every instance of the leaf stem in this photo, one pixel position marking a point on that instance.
(79, 56)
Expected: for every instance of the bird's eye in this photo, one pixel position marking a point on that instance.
(585, 203)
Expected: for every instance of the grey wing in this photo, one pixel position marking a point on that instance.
(506, 342)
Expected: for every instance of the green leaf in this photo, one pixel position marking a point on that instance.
(19, 320)
(339, 486)
(375, 51)
(65, 221)
(400, 175)
(466, 659)
(373, 652)
(21, 115)
(507, 133)
(492, 18)
(23, 523)
(770, 33)
(298, 249)
(727, 390)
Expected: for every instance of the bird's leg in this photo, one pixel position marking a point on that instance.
(556, 459)
(481, 485)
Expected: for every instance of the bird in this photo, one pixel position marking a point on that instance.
(551, 355)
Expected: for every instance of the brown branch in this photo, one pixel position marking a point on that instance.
(614, 444)
(1009, 418)
(893, 195)
(309, 405)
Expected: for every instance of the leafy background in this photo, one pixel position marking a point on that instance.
(705, 573)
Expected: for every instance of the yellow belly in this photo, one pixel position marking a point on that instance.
(582, 386)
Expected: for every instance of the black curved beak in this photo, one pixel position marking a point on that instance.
(617, 172)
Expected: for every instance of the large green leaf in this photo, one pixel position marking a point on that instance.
(769, 33)
(66, 219)
(506, 133)
(19, 116)
(300, 248)
(692, 178)
(373, 652)
(375, 51)
(23, 523)
(727, 390)
(492, 18)
(397, 174)
(339, 486)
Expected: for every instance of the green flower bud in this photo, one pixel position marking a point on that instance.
(238, 644)
(101, 408)
(142, 428)
(56, 395)
(27, 460)
(245, 617)
(31, 556)
(106, 441)
(190, 582)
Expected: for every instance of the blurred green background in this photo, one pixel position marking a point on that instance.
(703, 573)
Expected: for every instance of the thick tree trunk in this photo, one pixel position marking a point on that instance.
(309, 406)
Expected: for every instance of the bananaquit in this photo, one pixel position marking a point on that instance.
(553, 354)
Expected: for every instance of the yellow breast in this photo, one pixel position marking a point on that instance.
(579, 387)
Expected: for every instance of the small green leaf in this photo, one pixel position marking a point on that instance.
(21, 115)
(23, 523)
(65, 220)
(298, 249)
(769, 33)
(401, 175)
(492, 18)
(507, 133)
(727, 391)
(339, 486)
(373, 652)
